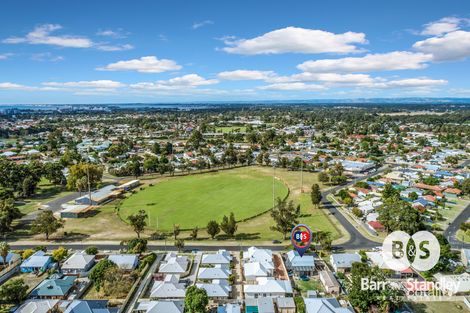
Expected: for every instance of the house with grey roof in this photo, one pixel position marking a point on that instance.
(285, 305)
(342, 262)
(213, 273)
(218, 289)
(169, 288)
(221, 257)
(167, 306)
(174, 264)
(90, 306)
(325, 305)
(260, 305)
(253, 270)
(329, 281)
(268, 287)
(10, 258)
(229, 308)
(126, 262)
(300, 265)
(37, 306)
(54, 288)
(78, 264)
(38, 262)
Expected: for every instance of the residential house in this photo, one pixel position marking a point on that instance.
(78, 264)
(300, 265)
(342, 262)
(169, 288)
(329, 281)
(38, 306)
(452, 193)
(166, 306)
(253, 270)
(174, 264)
(454, 284)
(38, 262)
(229, 308)
(285, 305)
(90, 306)
(268, 287)
(324, 305)
(54, 288)
(221, 257)
(218, 289)
(213, 273)
(10, 258)
(126, 262)
(260, 305)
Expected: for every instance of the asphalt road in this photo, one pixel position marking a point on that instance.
(356, 239)
(451, 232)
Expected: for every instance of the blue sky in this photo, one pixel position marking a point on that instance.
(155, 51)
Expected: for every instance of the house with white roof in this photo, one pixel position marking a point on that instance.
(78, 264)
(268, 287)
(10, 258)
(342, 262)
(218, 289)
(324, 305)
(300, 265)
(255, 254)
(167, 306)
(454, 284)
(229, 308)
(169, 288)
(127, 262)
(174, 264)
(221, 257)
(38, 306)
(213, 273)
(253, 270)
(90, 306)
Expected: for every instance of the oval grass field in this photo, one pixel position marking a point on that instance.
(194, 200)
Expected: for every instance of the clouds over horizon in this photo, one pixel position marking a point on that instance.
(347, 65)
(296, 40)
(44, 35)
(147, 64)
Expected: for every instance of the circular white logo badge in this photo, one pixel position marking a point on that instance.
(398, 252)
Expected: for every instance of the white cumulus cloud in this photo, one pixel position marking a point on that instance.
(13, 86)
(147, 64)
(182, 82)
(297, 40)
(443, 26)
(397, 60)
(451, 46)
(246, 75)
(93, 84)
(298, 86)
(43, 35)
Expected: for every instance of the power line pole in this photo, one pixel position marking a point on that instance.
(274, 173)
(88, 182)
(301, 174)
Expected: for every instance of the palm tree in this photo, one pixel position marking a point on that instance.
(4, 249)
